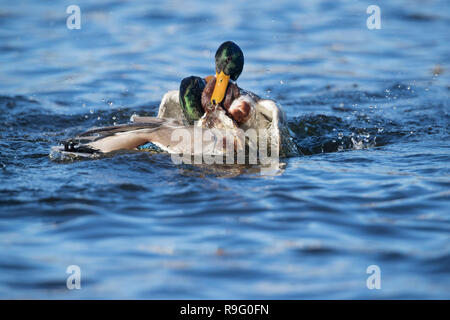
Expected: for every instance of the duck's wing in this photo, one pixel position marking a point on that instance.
(125, 136)
(170, 108)
(272, 117)
(149, 123)
(168, 134)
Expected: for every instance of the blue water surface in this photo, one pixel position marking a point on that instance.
(369, 110)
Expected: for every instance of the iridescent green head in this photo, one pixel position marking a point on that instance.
(191, 89)
(229, 64)
(229, 59)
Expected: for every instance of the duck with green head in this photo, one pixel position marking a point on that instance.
(229, 64)
(198, 96)
(212, 102)
(191, 89)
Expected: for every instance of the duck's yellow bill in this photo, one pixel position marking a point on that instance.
(220, 88)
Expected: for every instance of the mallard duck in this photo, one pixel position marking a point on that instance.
(214, 102)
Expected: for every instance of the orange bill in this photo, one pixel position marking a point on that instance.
(220, 88)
